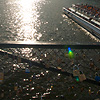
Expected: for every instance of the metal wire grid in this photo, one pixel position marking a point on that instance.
(87, 60)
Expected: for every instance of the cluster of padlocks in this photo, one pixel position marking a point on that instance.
(59, 86)
(79, 75)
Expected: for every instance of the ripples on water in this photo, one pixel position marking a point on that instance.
(39, 20)
(19, 19)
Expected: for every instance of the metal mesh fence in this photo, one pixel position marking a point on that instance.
(39, 73)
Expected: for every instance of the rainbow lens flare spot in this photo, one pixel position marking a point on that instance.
(70, 53)
(77, 78)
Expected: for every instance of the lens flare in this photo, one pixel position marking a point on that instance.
(70, 53)
(77, 78)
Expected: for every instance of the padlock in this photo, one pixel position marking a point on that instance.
(82, 76)
(27, 70)
(98, 92)
(1, 77)
(91, 64)
(2, 94)
(82, 89)
(76, 71)
(97, 77)
(96, 68)
(19, 60)
(84, 55)
(15, 88)
(69, 89)
(72, 63)
(59, 61)
(89, 90)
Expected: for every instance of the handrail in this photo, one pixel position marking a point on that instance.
(32, 44)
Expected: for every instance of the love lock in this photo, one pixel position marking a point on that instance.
(1, 77)
(76, 71)
(19, 60)
(27, 70)
(82, 76)
(97, 77)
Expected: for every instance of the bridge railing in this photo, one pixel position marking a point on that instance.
(17, 57)
(55, 55)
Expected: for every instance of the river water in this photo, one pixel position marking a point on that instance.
(41, 20)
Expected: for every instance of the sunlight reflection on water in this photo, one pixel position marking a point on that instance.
(22, 19)
(29, 13)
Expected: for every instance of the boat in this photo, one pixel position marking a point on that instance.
(85, 17)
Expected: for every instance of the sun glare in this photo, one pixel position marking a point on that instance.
(29, 21)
